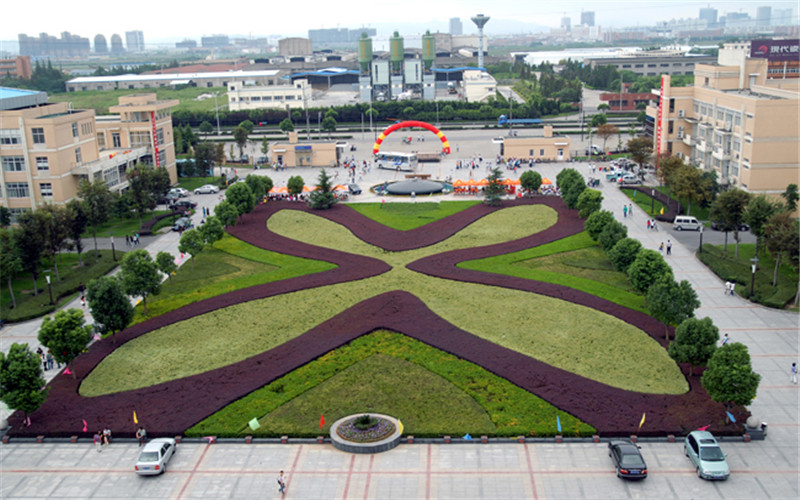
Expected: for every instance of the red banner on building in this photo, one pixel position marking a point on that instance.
(155, 139)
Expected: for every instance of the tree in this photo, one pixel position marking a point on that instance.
(599, 119)
(77, 220)
(666, 168)
(206, 127)
(493, 192)
(264, 146)
(29, 241)
(146, 185)
(286, 125)
(759, 210)
(695, 342)
(21, 380)
(204, 158)
(589, 202)
(641, 150)
(571, 184)
(192, 243)
(10, 263)
(165, 262)
(212, 230)
(241, 197)
(688, 184)
(596, 222)
(322, 198)
(605, 132)
(623, 253)
(54, 224)
(189, 139)
(248, 125)
(110, 307)
(295, 185)
(65, 335)
(258, 185)
(671, 302)
(648, 267)
(139, 276)
(612, 233)
(240, 135)
(97, 201)
(782, 236)
(730, 378)
(791, 196)
(5, 216)
(530, 181)
(729, 210)
(329, 125)
(227, 213)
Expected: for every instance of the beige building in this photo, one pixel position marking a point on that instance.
(294, 47)
(296, 95)
(734, 120)
(46, 149)
(478, 86)
(547, 147)
(296, 154)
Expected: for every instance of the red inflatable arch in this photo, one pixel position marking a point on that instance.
(412, 123)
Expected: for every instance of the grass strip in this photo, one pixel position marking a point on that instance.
(406, 216)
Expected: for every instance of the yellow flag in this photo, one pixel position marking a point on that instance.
(400, 426)
(135, 420)
(662, 210)
(641, 423)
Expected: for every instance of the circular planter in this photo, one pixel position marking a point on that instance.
(384, 444)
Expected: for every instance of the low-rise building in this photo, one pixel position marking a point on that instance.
(293, 153)
(17, 67)
(545, 147)
(478, 86)
(296, 94)
(152, 81)
(47, 149)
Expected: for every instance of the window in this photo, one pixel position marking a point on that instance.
(101, 140)
(160, 135)
(74, 130)
(78, 156)
(42, 164)
(17, 190)
(651, 65)
(13, 163)
(541, 152)
(664, 65)
(639, 66)
(116, 143)
(139, 138)
(10, 136)
(626, 65)
(38, 135)
(46, 189)
(671, 127)
(16, 213)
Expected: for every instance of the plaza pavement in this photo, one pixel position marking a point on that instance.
(579, 470)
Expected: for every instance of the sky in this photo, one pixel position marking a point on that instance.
(166, 20)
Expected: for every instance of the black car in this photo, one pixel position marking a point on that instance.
(718, 226)
(182, 205)
(627, 459)
(354, 188)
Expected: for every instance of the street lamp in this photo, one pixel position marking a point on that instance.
(49, 287)
(216, 110)
(700, 248)
(652, 201)
(113, 250)
(753, 267)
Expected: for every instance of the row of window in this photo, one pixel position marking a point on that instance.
(21, 189)
(17, 163)
(256, 98)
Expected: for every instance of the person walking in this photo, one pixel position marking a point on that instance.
(281, 483)
(794, 373)
(630, 209)
(624, 211)
(141, 435)
(725, 340)
(661, 247)
(669, 247)
(727, 287)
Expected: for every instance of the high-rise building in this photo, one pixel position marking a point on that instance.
(782, 17)
(763, 16)
(709, 15)
(134, 41)
(116, 44)
(456, 28)
(566, 23)
(587, 18)
(100, 44)
(68, 45)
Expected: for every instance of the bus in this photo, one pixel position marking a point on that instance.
(407, 162)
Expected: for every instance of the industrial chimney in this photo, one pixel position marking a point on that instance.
(480, 20)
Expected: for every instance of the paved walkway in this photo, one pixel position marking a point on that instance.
(766, 469)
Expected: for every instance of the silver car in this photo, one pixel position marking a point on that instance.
(207, 189)
(702, 449)
(154, 457)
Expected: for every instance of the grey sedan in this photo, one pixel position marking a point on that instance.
(154, 457)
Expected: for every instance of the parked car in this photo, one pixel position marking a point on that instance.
(630, 179)
(169, 198)
(183, 205)
(702, 449)
(154, 456)
(627, 459)
(182, 224)
(718, 226)
(207, 189)
(687, 222)
(180, 192)
(354, 188)
(615, 175)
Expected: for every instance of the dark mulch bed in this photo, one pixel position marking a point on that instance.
(172, 407)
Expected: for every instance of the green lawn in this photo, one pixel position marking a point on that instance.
(701, 213)
(405, 216)
(100, 100)
(645, 202)
(572, 337)
(64, 290)
(433, 393)
(120, 227)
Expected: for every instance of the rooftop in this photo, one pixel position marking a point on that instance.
(236, 75)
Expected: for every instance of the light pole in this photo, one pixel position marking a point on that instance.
(652, 201)
(113, 250)
(216, 110)
(49, 287)
(753, 267)
(700, 248)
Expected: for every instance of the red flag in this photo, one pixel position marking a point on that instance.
(704, 428)
(321, 421)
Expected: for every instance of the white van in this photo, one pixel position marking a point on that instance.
(686, 222)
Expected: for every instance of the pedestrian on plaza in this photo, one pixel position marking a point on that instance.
(106, 436)
(49, 360)
(669, 247)
(281, 483)
(648, 224)
(630, 208)
(98, 442)
(141, 435)
(725, 340)
(727, 287)
(661, 247)
(733, 288)
(794, 373)
(624, 210)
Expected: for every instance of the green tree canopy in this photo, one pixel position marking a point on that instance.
(55, 227)
(782, 237)
(10, 263)
(329, 125)
(729, 210)
(295, 185)
(791, 197)
(77, 221)
(322, 198)
(29, 241)
(695, 342)
(240, 135)
(759, 210)
(494, 191)
(212, 230)
(227, 213)
(623, 253)
(192, 243)
(596, 222)
(641, 150)
(146, 186)
(65, 334)
(240, 195)
(21, 380)
(97, 201)
(611, 234)
(110, 307)
(589, 202)
(730, 378)
(139, 275)
(165, 262)
(648, 267)
(530, 181)
(286, 125)
(671, 302)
